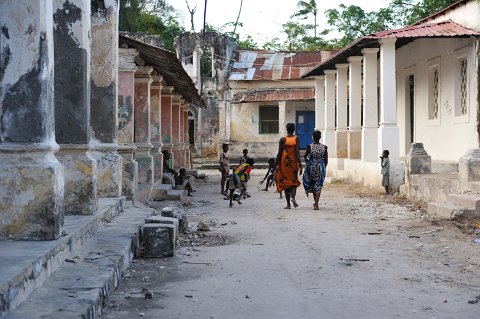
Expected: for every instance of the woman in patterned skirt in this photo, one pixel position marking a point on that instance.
(289, 165)
(316, 159)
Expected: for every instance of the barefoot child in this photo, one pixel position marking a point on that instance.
(385, 171)
(270, 175)
(182, 182)
(238, 180)
(224, 169)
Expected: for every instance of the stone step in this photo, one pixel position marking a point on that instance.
(26, 265)
(160, 191)
(176, 194)
(474, 187)
(81, 286)
(468, 201)
(444, 210)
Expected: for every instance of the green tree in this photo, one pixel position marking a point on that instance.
(409, 11)
(305, 8)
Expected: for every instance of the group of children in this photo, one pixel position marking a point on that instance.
(234, 184)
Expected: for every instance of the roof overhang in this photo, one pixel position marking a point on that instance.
(275, 95)
(166, 64)
(403, 36)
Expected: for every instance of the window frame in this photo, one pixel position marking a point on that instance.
(261, 121)
(434, 64)
(461, 55)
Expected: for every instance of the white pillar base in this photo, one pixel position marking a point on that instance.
(370, 144)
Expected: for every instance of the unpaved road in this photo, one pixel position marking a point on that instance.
(358, 257)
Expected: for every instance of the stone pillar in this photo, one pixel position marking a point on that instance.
(166, 116)
(182, 135)
(71, 33)
(341, 133)
(370, 106)
(31, 178)
(186, 138)
(469, 169)
(355, 99)
(417, 161)
(103, 101)
(155, 127)
(388, 133)
(176, 130)
(126, 116)
(143, 80)
(320, 103)
(329, 132)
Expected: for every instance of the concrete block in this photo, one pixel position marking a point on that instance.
(163, 220)
(469, 168)
(160, 191)
(159, 240)
(444, 210)
(175, 194)
(418, 161)
(474, 187)
(168, 211)
(182, 221)
(468, 201)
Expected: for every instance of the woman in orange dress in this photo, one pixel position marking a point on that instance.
(289, 165)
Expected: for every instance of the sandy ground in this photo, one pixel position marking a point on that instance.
(359, 256)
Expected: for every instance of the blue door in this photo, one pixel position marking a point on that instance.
(304, 124)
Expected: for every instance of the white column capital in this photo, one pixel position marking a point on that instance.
(319, 77)
(370, 51)
(355, 59)
(341, 66)
(330, 72)
(387, 41)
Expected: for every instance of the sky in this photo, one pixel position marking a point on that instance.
(262, 19)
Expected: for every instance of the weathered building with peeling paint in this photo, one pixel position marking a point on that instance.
(250, 94)
(414, 91)
(84, 114)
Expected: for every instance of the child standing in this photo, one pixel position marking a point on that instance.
(239, 179)
(224, 169)
(244, 158)
(270, 175)
(385, 171)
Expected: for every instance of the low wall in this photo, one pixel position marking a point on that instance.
(365, 173)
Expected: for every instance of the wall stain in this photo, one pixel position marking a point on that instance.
(125, 111)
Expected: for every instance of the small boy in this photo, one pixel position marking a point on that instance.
(385, 171)
(244, 158)
(238, 180)
(182, 182)
(169, 174)
(270, 175)
(224, 169)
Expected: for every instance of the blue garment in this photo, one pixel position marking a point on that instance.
(314, 173)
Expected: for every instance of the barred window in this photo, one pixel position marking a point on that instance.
(434, 93)
(268, 119)
(463, 87)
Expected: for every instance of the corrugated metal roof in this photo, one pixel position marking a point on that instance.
(270, 65)
(167, 65)
(443, 29)
(297, 94)
(426, 30)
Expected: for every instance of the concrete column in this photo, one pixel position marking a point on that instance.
(71, 33)
(388, 133)
(320, 103)
(155, 127)
(355, 98)
(143, 80)
(186, 139)
(104, 96)
(341, 132)
(182, 135)
(329, 131)
(176, 130)
(31, 178)
(282, 115)
(166, 117)
(370, 106)
(126, 116)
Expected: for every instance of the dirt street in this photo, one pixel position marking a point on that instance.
(357, 257)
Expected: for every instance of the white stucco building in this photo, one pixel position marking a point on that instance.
(396, 87)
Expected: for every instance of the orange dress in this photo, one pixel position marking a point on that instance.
(287, 171)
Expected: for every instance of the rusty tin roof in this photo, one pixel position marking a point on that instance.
(263, 65)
